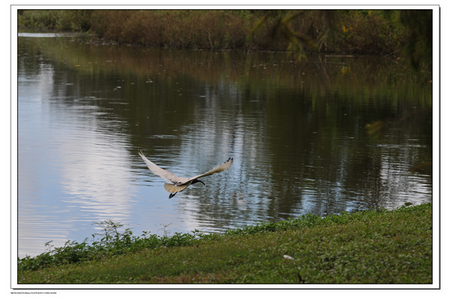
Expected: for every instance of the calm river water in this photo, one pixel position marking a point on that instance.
(297, 133)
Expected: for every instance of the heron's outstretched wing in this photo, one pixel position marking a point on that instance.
(166, 175)
(215, 170)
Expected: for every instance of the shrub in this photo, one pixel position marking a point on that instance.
(353, 31)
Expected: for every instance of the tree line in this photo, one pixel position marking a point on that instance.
(375, 32)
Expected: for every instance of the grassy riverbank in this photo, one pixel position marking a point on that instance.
(370, 247)
(344, 31)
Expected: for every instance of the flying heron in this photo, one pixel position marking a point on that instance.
(178, 184)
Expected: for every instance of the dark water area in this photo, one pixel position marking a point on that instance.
(297, 133)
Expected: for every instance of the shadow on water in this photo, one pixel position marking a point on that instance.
(297, 132)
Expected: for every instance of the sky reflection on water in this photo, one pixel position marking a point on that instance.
(295, 150)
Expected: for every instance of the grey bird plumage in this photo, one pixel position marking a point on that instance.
(177, 184)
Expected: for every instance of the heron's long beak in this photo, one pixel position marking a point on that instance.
(196, 180)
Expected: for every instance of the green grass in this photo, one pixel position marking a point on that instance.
(370, 247)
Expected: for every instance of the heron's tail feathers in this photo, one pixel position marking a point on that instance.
(172, 188)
